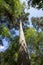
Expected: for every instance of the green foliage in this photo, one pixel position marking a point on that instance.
(4, 31)
(14, 7)
(31, 35)
(37, 22)
(34, 40)
(35, 45)
(11, 54)
(36, 3)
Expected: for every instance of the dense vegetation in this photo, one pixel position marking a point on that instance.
(10, 13)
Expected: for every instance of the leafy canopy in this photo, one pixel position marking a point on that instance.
(14, 7)
(36, 3)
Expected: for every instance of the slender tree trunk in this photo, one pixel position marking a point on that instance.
(23, 57)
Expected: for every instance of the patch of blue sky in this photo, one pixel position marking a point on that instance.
(34, 13)
(5, 43)
(14, 32)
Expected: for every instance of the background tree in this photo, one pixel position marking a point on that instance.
(37, 22)
(34, 3)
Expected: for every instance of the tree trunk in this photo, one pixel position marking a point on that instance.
(23, 57)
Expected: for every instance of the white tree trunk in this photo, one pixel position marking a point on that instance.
(23, 57)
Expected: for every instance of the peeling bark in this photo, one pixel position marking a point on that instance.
(23, 56)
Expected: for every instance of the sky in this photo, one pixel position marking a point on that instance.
(2, 48)
(33, 13)
(5, 43)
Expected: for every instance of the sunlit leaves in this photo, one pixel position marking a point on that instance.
(14, 7)
(35, 45)
(31, 35)
(4, 31)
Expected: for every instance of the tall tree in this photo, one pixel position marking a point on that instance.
(23, 58)
(13, 9)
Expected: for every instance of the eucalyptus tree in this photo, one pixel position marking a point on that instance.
(23, 57)
(13, 9)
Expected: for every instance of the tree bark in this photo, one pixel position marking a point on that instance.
(23, 56)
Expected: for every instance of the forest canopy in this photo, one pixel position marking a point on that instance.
(14, 23)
